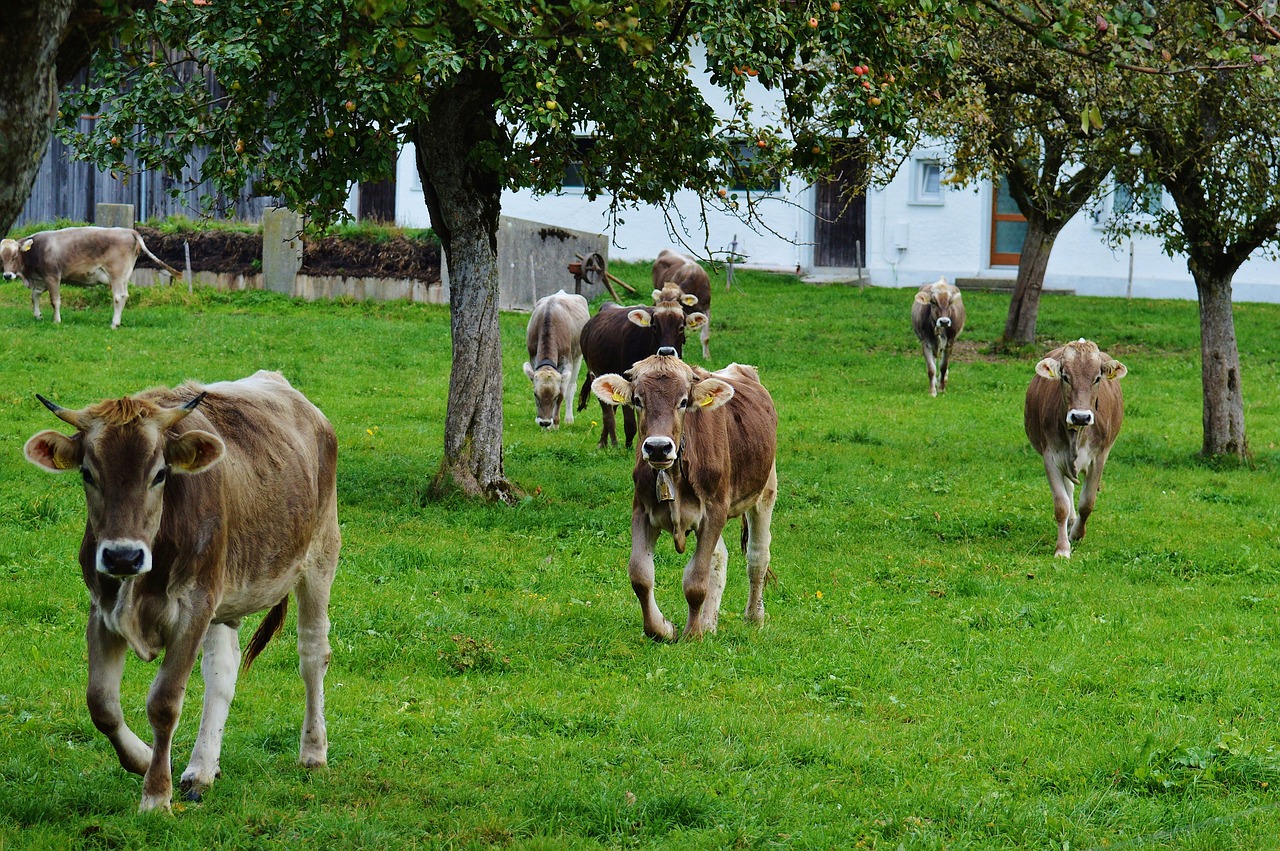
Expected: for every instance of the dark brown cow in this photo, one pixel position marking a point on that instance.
(84, 256)
(205, 504)
(554, 341)
(616, 337)
(1073, 413)
(937, 315)
(672, 267)
(707, 453)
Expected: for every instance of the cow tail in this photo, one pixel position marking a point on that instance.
(267, 630)
(585, 393)
(147, 251)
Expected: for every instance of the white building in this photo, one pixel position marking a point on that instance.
(907, 232)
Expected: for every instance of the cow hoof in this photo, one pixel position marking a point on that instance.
(1062, 554)
(191, 794)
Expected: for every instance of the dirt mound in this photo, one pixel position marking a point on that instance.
(241, 253)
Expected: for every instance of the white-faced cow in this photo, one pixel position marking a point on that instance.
(82, 256)
(672, 267)
(205, 504)
(616, 337)
(937, 315)
(554, 340)
(1073, 413)
(706, 453)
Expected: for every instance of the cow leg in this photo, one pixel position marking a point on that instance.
(119, 295)
(568, 381)
(1063, 493)
(608, 426)
(1088, 496)
(705, 336)
(759, 519)
(704, 577)
(629, 424)
(944, 360)
(164, 708)
(219, 666)
(314, 653)
(930, 368)
(55, 298)
(640, 571)
(35, 302)
(106, 667)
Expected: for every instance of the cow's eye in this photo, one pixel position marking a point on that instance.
(684, 403)
(87, 476)
(635, 403)
(161, 475)
(1098, 378)
(1066, 379)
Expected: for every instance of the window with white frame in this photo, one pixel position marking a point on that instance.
(926, 181)
(1144, 200)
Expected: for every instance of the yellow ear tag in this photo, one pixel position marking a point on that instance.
(617, 397)
(707, 401)
(26, 246)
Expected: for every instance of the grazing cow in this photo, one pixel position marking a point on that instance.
(672, 267)
(616, 337)
(81, 256)
(1072, 415)
(937, 315)
(205, 504)
(706, 453)
(554, 339)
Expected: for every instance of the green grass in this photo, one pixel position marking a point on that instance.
(929, 676)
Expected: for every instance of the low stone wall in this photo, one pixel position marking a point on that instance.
(311, 287)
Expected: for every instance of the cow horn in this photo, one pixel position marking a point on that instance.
(65, 414)
(177, 415)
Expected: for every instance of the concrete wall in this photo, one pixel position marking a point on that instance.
(534, 258)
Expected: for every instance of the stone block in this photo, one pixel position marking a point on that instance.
(281, 249)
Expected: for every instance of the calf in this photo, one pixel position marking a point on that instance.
(672, 267)
(1072, 415)
(937, 315)
(82, 256)
(707, 450)
(205, 504)
(616, 337)
(555, 354)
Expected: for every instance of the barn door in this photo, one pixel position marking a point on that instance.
(840, 229)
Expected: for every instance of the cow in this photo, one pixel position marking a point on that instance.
(1072, 415)
(707, 450)
(937, 315)
(616, 337)
(554, 340)
(672, 267)
(82, 256)
(205, 504)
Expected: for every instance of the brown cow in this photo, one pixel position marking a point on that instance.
(82, 256)
(672, 267)
(555, 354)
(616, 337)
(1073, 413)
(707, 453)
(937, 315)
(205, 504)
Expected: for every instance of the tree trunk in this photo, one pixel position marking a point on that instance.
(1220, 367)
(29, 41)
(464, 198)
(1024, 309)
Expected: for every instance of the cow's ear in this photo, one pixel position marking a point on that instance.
(1049, 368)
(688, 299)
(641, 317)
(54, 451)
(27, 243)
(528, 370)
(194, 452)
(695, 320)
(922, 297)
(1114, 369)
(711, 393)
(657, 296)
(612, 389)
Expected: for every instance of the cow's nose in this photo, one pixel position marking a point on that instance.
(667, 351)
(9, 276)
(545, 422)
(658, 450)
(124, 560)
(1077, 417)
(944, 322)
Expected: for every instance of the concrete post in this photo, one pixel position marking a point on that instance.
(281, 249)
(113, 215)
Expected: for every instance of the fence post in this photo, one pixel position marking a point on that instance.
(113, 215)
(281, 249)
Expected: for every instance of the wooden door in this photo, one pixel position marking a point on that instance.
(840, 229)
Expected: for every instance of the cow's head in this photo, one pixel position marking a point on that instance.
(662, 390)
(672, 294)
(944, 302)
(548, 392)
(1080, 372)
(125, 451)
(668, 324)
(11, 256)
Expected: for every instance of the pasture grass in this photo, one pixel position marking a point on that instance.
(929, 676)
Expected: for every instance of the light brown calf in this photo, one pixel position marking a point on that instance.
(937, 315)
(672, 267)
(1072, 415)
(553, 339)
(706, 453)
(205, 504)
